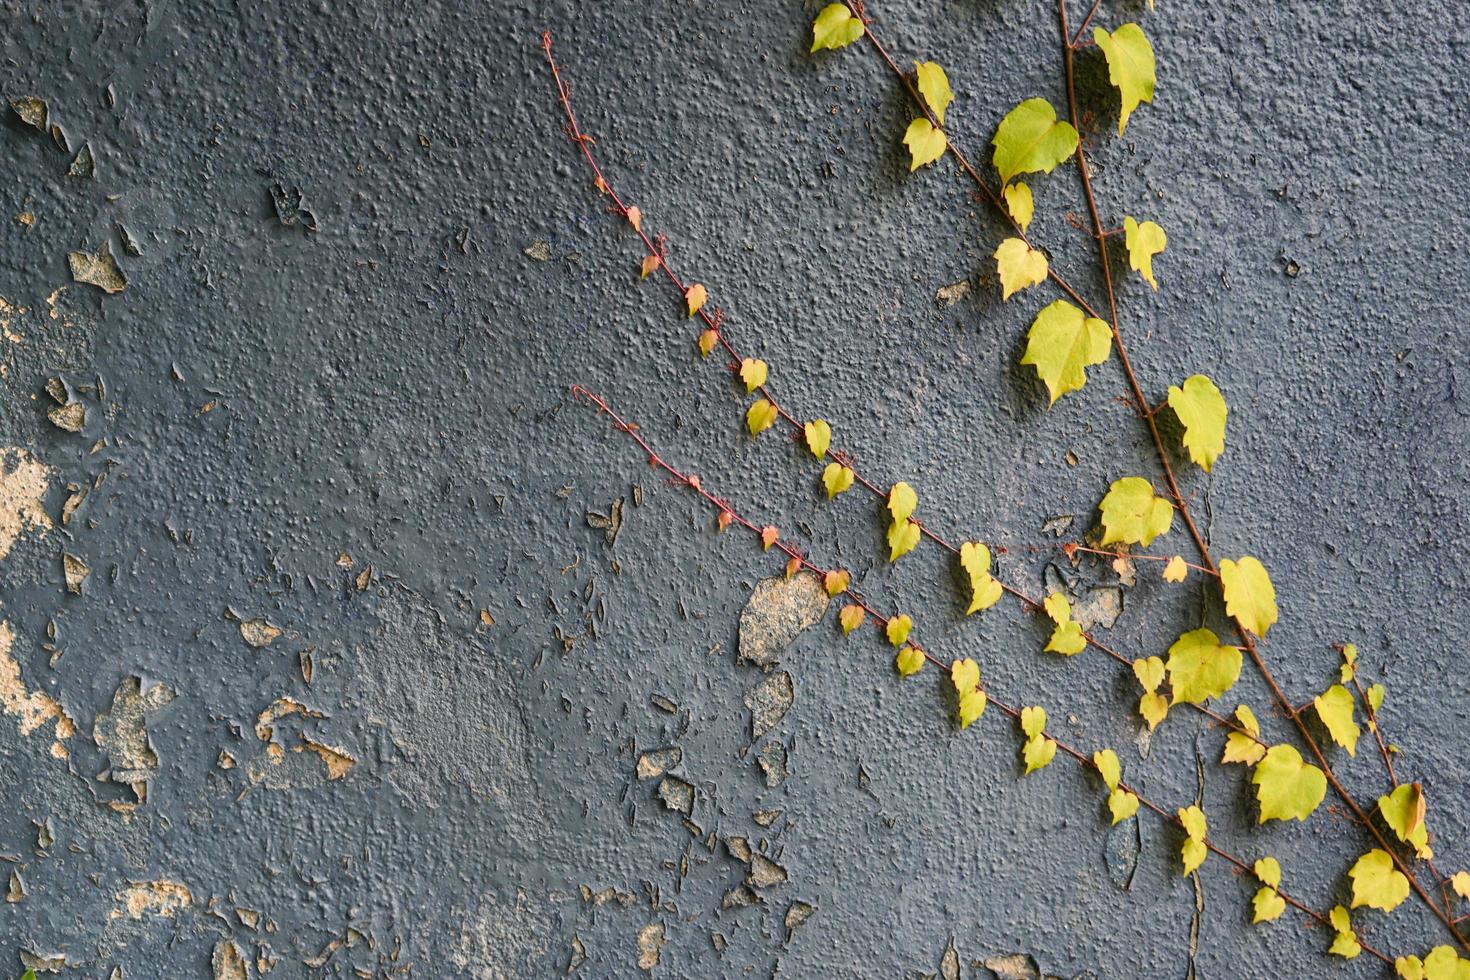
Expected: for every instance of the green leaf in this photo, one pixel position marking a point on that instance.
(1133, 514)
(1201, 410)
(1249, 595)
(1377, 883)
(903, 536)
(1020, 266)
(1144, 241)
(835, 27)
(1335, 707)
(1030, 140)
(908, 661)
(1201, 668)
(926, 144)
(1130, 66)
(1122, 804)
(836, 478)
(1063, 342)
(1108, 767)
(818, 437)
(985, 590)
(760, 416)
(901, 501)
(934, 87)
(1038, 752)
(1287, 787)
(1018, 203)
(1404, 810)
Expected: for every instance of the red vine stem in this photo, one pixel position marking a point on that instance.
(880, 622)
(658, 249)
(1173, 484)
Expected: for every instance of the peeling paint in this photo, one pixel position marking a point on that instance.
(162, 898)
(33, 708)
(23, 482)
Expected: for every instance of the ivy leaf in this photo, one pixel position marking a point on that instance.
(650, 263)
(1287, 787)
(1175, 569)
(1194, 851)
(818, 437)
(723, 521)
(753, 372)
(1404, 810)
(1153, 709)
(760, 416)
(635, 217)
(1033, 721)
(1030, 140)
(1201, 668)
(1249, 595)
(897, 629)
(1442, 963)
(1020, 266)
(1268, 906)
(926, 144)
(1057, 607)
(909, 661)
(1062, 343)
(1067, 639)
(1201, 410)
(1108, 767)
(1122, 804)
(707, 341)
(1144, 241)
(1375, 697)
(1335, 708)
(1349, 662)
(836, 582)
(836, 478)
(934, 87)
(1019, 203)
(851, 618)
(1268, 870)
(972, 706)
(901, 501)
(985, 591)
(695, 296)
(965, 675)
(1460, 882)
(1242, 747)
(1150, 673)
(902, 537)
(835, 27)
(1130, 66)
(1377, 883)
(1038, 752)
(793, 565)
(769, 536)
(1133, 514)
(1346, 943)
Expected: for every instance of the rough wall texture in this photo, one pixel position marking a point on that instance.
(351, 686)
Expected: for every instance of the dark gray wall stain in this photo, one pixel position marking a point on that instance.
(332, 402)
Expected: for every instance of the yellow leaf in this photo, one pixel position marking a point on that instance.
(707, 341)
(926, 144)
(1153, 708)
(910, 660)
(793, 565)
(769, 536)
(1019, 203)
(1030, 139)
(1335, 706)
(1144, 241)
(934, 87)
(1460, 882)
(898, 628)
(1410, 967)
(1020, 266)
(818, 437)
(1346, 943)
(1268, 870)
(1150, 673)
(1193, 820)
(1202, 411)
(1038, 752)
(1404, 810)
(1057, 607)
(985, 591)
(972, 706)
(695, 296)
(1130, 66)
(1122, 804)
(1287, 787)
(1062, 343)
(965, 675)
(1268, 906)
(1375, 697)
(1194, 853)
(1349, 663)
(902, 537)
(1033, 721)
(1247, 719)
(836, 478)
(851, 618)
(901, 501)
(1201, 668)
(760, 416)
(1175, 569)
(650, 263)
(1249, 595)
(1067, 639)
(1133, 514)
(835, 27)
(753, 373)
(1377, 883)
(635, 218)
(836, 582)
(1108, 766)
(1240, 747)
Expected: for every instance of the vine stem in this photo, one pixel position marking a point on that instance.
(656, 248)
(880, 622)
(1203, 548)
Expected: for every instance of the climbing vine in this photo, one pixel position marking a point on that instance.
(1069, 342)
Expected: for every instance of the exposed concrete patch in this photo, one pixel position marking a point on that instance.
(776, 613)
(651, 940)
(23, 481)
(768, 702)
(122, 733)
(33, 708)
(502, 939)
(162, 898)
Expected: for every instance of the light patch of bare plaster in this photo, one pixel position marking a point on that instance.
(162, 898)
(23, 481)
(33, 708)
(9, 313)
